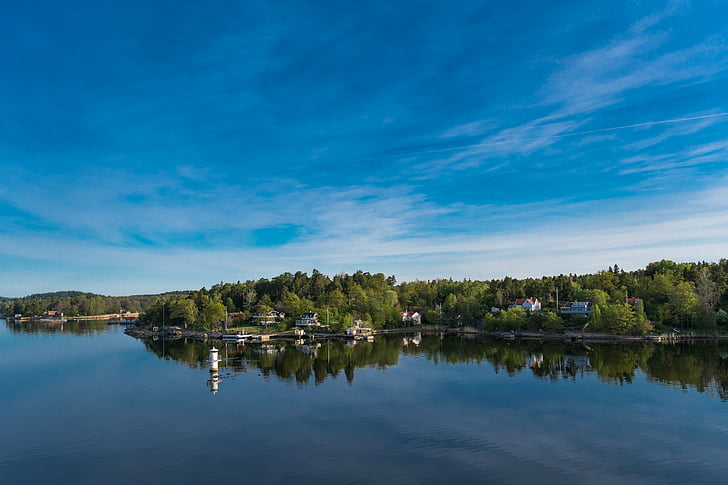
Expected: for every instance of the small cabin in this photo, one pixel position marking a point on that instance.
(530, 304)
(412, 318)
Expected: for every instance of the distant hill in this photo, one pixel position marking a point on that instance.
(56, 295)
(170, 293)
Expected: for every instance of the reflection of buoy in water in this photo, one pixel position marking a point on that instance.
(214, 382)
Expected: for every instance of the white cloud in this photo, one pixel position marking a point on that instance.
(693, 226)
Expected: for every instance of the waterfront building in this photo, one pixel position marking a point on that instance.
(530, 304)
(308, 319)
(576, 308)
(413, 318)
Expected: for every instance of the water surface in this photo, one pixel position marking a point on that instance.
(84, 403)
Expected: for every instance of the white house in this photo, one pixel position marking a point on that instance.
(530, 304)
(308, 319)
(269, 317)
(413, 318)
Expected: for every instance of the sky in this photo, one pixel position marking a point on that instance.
(165, 145)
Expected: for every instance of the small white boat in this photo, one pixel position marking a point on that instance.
(238, 337)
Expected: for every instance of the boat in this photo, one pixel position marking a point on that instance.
(238, 337)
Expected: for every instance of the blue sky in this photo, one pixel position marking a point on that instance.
(159, 145)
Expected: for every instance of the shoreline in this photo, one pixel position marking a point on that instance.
(167, 333)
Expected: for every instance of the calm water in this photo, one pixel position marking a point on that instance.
(87, 404)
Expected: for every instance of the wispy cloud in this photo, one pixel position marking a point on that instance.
(470, 129)
(674, 131)
(403, 243)
(712, 152)
(603, 77)
(582, 86)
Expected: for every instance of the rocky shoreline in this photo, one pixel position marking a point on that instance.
(173, 333)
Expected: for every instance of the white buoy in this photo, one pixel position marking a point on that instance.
(213, 360)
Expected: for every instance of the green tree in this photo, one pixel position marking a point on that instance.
(708, 296)
(595, 318)
(546, 321)
(449, 308)
(213, 315)
(682, 304)
(597, 297)
(512, 319)
(432, 317)
(721, 317)
(182, 312)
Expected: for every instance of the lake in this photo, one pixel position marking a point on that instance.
(85, 403)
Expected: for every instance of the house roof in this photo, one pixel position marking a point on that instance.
(408, 314)
(576, 304)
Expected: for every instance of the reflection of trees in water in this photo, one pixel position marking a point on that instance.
(86, 327)
(193, 353)
(703, 366)
(617, 363)
(283, 359)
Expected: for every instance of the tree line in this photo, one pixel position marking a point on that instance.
(688, 296)
(685, 296)
(77, 303)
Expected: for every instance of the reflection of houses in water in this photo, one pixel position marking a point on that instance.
(571, 363)
(267, 349)
(536, 360)
(580, 362)
(310, 350)
(566, 363)
(416, 339)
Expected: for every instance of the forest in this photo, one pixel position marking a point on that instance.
(688, 297)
